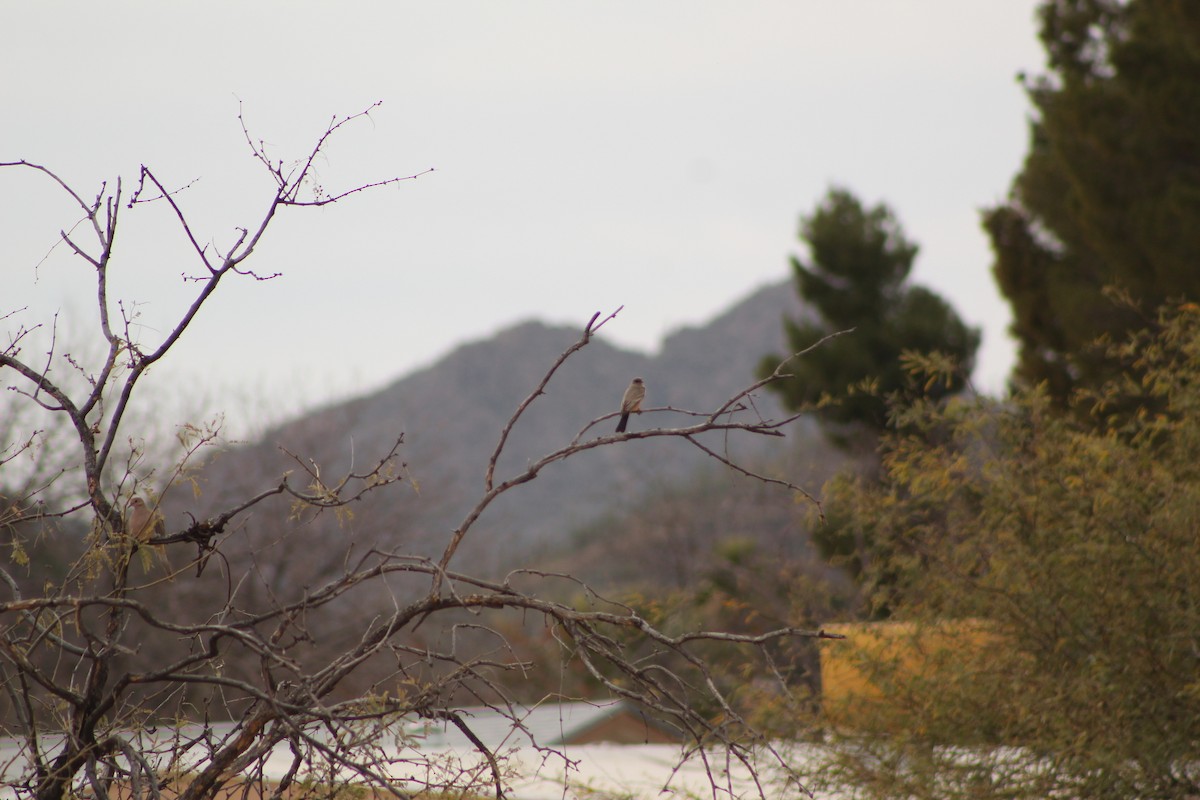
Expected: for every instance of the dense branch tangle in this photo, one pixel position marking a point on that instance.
(109, 684)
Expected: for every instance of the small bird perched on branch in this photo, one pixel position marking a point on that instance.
(631, 402)
(144, 524)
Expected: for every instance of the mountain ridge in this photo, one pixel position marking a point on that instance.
(450, 414)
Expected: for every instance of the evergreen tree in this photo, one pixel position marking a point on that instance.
(858, 278)
(1109, 195)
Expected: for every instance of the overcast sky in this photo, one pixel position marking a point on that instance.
(587, 156)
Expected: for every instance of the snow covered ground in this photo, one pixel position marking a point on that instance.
(566, 772)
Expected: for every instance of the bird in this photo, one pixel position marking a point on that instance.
(631, 401)
(144, 524)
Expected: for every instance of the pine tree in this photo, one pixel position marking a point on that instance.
(858, 278)
(1108, 199)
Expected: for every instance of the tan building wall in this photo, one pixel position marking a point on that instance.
(882, 668)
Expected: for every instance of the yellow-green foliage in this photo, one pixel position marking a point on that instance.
(1075, 545)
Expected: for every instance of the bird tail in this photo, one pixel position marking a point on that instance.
(623, 422)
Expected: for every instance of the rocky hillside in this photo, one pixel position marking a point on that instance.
(451, 413)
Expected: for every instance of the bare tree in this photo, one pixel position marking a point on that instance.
(111, 682)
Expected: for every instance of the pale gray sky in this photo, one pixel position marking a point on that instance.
(587, 155)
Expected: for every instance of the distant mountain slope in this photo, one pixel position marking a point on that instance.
(726, 350)
(451, 414)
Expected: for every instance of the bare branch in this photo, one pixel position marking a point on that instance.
(118, 667)
(591, 327)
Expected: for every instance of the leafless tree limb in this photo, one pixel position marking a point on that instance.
(175, 682)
